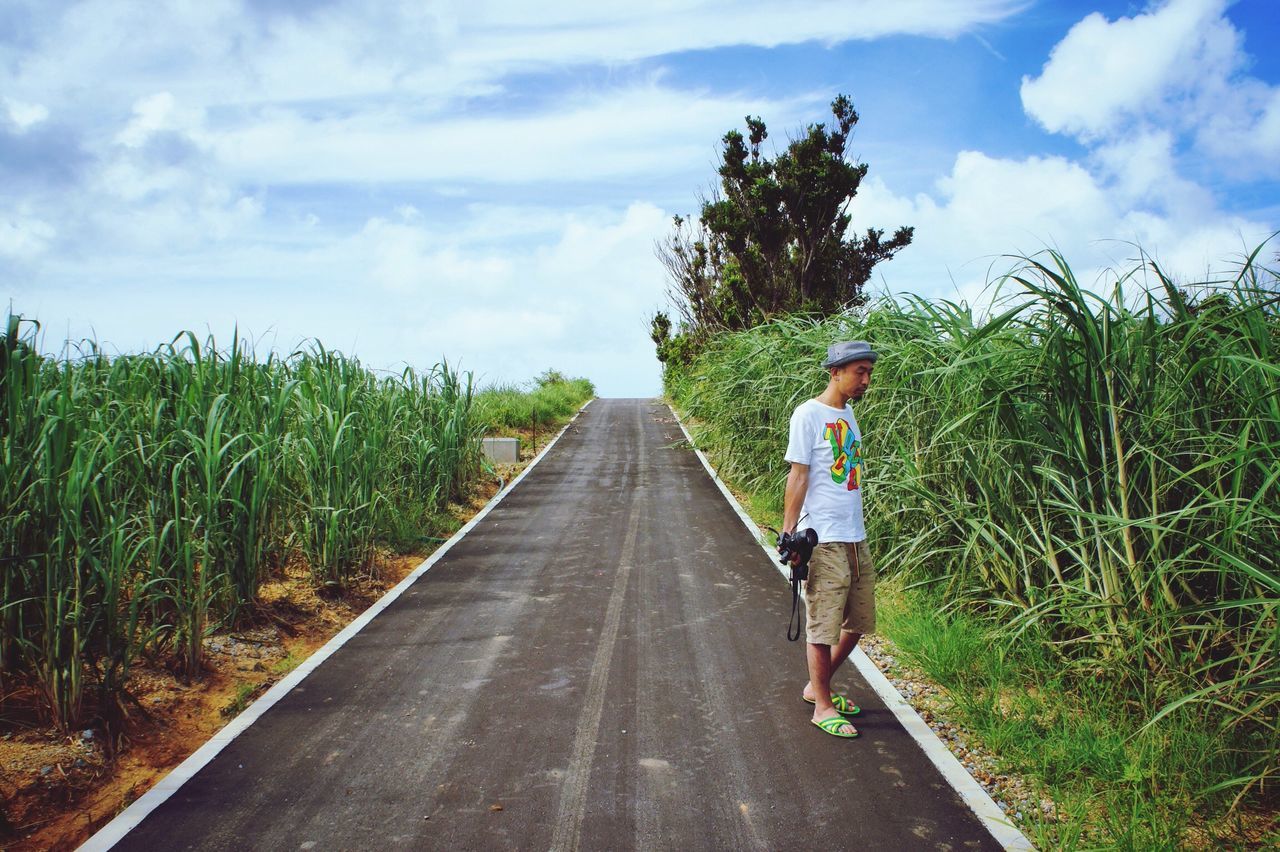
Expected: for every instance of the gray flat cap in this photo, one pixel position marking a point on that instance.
(850, 350)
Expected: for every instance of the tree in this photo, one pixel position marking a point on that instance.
(774, 237)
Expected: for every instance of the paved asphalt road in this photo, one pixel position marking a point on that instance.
(599, 664)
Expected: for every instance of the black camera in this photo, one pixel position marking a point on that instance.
(799, 543)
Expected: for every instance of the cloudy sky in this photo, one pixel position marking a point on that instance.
(484, 181)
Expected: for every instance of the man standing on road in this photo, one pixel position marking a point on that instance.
(824, 488)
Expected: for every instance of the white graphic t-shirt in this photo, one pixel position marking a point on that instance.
(828, 441)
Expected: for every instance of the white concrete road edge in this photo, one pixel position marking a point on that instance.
(987, 811)
(130, 817)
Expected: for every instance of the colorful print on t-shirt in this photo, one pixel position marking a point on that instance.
(846, 451)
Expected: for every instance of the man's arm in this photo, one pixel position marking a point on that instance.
(793, 498)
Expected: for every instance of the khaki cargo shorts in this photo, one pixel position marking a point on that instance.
(841, 591)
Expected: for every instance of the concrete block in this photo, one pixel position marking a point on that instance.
(502, 450)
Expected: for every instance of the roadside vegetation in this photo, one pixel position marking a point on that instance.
(1073, 494)
(147, 498)
(552, 399)
(1076, 493)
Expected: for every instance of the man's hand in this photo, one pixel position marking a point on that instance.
(794, 558)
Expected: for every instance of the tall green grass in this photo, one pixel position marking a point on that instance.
(551, 400)
(1092, 472)
(145, 498)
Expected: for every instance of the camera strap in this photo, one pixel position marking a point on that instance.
(795, 622)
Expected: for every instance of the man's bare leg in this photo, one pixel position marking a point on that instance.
(819, 658)
(842, 649)
(839, 652)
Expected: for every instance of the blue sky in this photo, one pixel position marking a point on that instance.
(485, 182)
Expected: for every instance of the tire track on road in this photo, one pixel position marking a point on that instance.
(573, 796)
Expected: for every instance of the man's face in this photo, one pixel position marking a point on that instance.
(853, 378)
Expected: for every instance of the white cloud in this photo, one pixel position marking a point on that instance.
(1177, 67)
(24, 237)
(504, 329)
(1141, 170)
(25, 115)
(144, 208)
(1244, 132)
(573, 295)
(1104, 71)
(581, 31)
(577, 302)
(158, 113)
(403, 257)
(632, 131)
(988, 208)
(227, 52)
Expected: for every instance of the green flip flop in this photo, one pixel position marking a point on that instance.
(844, 706)
(833, 725)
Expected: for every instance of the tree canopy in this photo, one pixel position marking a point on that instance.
(774, 237)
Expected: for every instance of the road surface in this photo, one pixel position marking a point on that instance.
(599, 664)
